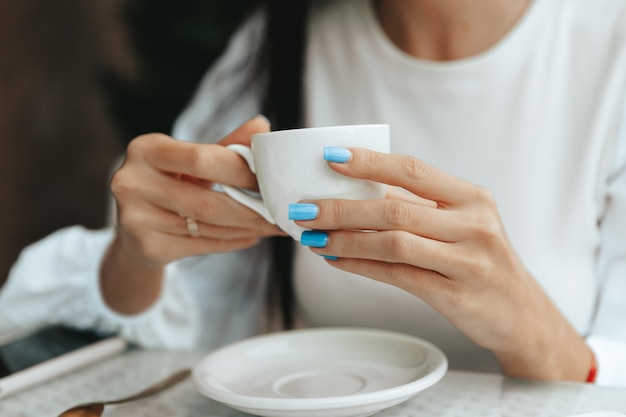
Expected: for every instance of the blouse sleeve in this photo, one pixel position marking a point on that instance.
(56, 280)
(608, 336)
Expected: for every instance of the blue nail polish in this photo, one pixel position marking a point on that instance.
(336, 154)
(314, 238)
(303, 211)
(330, 257)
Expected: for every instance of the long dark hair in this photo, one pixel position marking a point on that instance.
(276, 68)
(282, 56)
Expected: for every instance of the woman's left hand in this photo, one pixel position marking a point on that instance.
(447, 245)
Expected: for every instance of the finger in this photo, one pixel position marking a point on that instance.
(173, 224)
(397, 193)
(212, 231)
(407, 172)
(219, 209)
(207, 206)
(243, 133)
(206, 162)
(149, 217)
(423, 283)
(203, 246)
(163, 247)
(178, 247)
(393, 247)
(386, 214)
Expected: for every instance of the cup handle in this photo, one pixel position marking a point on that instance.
(244, 197)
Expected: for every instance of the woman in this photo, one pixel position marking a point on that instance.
(517, 103)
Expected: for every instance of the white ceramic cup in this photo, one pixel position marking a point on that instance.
(290, 167)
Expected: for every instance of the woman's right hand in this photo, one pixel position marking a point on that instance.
(163, 182)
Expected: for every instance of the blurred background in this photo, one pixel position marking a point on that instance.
(78, 80)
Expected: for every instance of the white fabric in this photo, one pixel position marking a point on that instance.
(540, 119)
(535, 119)
(32, 298)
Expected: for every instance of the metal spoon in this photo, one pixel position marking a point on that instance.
(95, 409)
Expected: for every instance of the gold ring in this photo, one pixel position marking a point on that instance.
(192, 227)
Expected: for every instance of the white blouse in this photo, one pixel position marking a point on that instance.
(540, 119)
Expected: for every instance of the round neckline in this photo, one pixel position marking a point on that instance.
(506, 42)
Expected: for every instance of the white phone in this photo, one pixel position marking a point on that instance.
(49, 353)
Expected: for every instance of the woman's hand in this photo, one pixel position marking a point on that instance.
(445, 243)
(163, 182)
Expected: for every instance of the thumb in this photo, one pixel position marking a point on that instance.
(243, 134)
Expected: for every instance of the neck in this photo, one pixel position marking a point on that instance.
(445, 30)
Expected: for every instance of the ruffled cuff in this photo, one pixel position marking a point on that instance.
(611, 360)
(56, 281)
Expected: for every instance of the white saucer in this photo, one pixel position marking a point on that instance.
(330, 372)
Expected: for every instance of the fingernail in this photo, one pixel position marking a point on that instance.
(262, 116)
(330, 257)
(303, 211)
(336, 154)
(314, 238)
